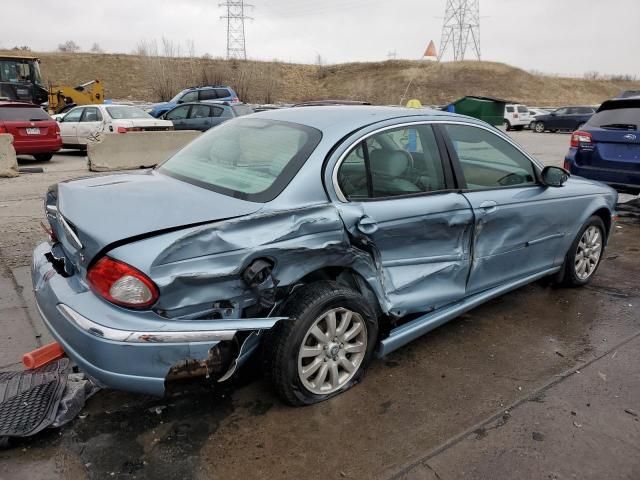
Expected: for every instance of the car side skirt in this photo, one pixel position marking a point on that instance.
(408, 332)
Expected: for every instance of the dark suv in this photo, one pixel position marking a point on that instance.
(204, 115)
(196, 94)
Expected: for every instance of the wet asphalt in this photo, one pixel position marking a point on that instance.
(452, 381)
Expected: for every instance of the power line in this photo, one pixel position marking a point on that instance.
(235, 17)
(461, 29)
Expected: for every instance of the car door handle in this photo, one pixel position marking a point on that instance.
(367, 225)
(489, 206)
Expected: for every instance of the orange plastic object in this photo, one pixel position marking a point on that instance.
(43, 355)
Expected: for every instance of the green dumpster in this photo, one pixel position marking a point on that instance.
(491, 110)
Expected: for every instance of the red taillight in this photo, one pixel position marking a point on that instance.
(3, 129)
(129, 129)
(567, 165)
(57, 129)
(122, 284)
(580, 138)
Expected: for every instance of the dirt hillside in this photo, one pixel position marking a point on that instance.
(146, 78)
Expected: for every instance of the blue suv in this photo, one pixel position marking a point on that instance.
(196, 94)
(607, 148)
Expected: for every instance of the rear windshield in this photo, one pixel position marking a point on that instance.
(23, 114)
(522, 109)
(618, 118)
(126, 113)
(247, 158)
(242, 110)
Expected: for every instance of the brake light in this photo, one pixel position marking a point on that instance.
(580, 138)
(57, 129)
(567, 165)
(129, 129)
(120, 283)
(3, 129)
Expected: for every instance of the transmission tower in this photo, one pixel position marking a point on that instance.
(235, 17)
(461, 29)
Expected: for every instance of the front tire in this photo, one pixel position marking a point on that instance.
(584, 256)
(43, 157)
(507, 125)
(326, 346)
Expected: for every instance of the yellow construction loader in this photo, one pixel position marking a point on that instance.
(20, 79)
(62, 97)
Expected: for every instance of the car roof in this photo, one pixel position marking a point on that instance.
(10, 103)
(347, 116)
(616, 103)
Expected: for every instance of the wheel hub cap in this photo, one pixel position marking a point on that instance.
(588, 252)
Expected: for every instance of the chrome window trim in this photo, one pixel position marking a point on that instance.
(493, 130)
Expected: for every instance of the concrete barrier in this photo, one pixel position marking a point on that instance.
(130, 151)
(8, 161)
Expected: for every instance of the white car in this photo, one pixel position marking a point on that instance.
(82, 124)
(533, 113)
(516, 116)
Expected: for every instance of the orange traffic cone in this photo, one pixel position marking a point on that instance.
(43, 355)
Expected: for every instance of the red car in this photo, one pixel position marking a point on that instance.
(34, 131)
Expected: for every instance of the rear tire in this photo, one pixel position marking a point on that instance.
(539, 128)
(584, 256)
(326, 346)
(43, 157)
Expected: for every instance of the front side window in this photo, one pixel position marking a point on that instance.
(179, 113)
(402, 161)
(251, 159)
(561, 111)
(189, 97)
(74, 115)
(522, 109)
(489, 161)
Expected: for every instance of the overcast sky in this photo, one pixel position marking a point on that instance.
(553, 36)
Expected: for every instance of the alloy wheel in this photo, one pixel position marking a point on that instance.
(588, 253)
(333, 350)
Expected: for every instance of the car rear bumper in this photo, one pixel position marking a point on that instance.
(127, 350)
(621, 178)
(40, 146)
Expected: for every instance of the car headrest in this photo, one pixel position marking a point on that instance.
(392, 163)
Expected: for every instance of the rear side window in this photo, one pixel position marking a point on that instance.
(397, 162)
(222, 93)
(625, 118)
(522, 109)
(510, 109)
(200, 111)
(488, 161)
(23, 114)
(208, 94)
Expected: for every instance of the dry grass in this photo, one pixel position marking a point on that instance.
(128, 77)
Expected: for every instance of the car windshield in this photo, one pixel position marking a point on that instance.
(127, 113)
(617, 118)
(23, 114)
(251, 159)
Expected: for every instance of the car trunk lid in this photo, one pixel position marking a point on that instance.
(93, 215)
(612, 147)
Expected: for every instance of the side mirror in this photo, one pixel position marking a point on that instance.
(59, 119)
(554, 176)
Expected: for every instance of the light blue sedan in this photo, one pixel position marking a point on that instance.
(322, 235)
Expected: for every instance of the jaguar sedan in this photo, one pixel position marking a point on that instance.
(317, 237)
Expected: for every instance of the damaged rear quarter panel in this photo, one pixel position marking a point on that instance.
(198, 266)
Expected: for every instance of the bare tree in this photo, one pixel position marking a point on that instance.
(95, 48)
(68, 47)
